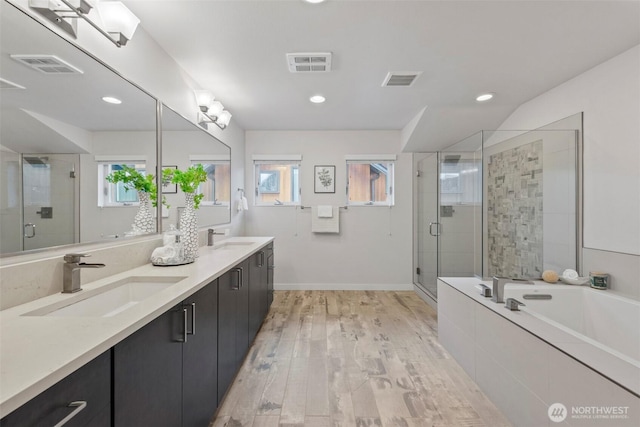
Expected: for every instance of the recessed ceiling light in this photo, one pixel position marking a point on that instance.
(111, 100)
(317, 99)
(484, 97)
(314, 1)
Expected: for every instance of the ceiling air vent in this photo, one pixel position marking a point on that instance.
(6, 84)
(309, 62)
(48, 64)
(400, 78)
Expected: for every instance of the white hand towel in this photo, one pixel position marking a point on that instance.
(325, 225)
(325, 211)
(245, 204)
(239, 208)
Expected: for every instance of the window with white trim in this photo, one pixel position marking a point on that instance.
(277, 182)
(460, 182)
(216, 189)
(370, 182)
(116, 194)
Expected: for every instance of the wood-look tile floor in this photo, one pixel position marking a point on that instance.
(352, 358)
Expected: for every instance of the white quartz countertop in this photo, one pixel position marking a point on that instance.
(38, 351)
(620, 370)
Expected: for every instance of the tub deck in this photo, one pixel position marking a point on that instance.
(563, 325)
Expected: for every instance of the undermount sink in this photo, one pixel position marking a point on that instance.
(110, 299)
(232, 245)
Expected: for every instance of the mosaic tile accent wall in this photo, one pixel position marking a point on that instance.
(514, 204)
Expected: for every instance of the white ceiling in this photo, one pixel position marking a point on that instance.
(517, 49)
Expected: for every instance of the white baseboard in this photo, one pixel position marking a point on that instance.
(343, 287)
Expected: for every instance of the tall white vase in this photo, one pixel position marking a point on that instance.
(189, 229)
(143, 222)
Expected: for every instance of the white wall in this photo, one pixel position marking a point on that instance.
(609, 96)
(373, 249)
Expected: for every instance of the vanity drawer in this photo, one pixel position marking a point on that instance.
(90, 384)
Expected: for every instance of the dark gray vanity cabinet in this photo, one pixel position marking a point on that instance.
(147, 373)
(172, 372)
(270, 268)
(259, 294)
(200, 359)
(233, 323)
(84, 397)
(165, 374)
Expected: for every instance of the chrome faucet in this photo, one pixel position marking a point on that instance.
(212, 233)
(498, 287)
(71, 272)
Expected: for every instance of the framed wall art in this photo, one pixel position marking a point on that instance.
(325, 179)
(169, 187)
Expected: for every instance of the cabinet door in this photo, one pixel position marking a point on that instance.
(270, 268)
(90, 384)
(200, 357)
(228, 290)
(257, 292)
(242, 319)
(147, 373)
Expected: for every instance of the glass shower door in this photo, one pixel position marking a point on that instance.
(49, 200)
(460, 214)
(427, 224)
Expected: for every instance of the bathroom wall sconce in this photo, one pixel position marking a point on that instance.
(118, 23)
(211, 111)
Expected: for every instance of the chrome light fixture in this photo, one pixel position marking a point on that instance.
(211, 111)
(118, 22)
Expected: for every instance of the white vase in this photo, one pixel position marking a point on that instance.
(143, 222)
(189, 229)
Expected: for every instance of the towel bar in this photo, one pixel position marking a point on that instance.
(339, 207)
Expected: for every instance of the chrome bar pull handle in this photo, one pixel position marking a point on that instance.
(238, 279)
(241, 276)
(32, 229)
(185, 313)
(261, 261)
(437, 224)
(79, 405)
(193, 318)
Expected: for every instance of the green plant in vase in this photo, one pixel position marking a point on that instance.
(188, 181)
(145, 185)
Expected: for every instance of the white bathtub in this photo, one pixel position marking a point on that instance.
(581, 349)
(600, 318)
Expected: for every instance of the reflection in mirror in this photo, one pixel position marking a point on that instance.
(185, 144)
(58, 136)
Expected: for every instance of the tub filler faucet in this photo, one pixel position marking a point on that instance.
(71, 272)
(498, 287)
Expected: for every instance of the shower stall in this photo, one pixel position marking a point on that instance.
(38, 201)
(449, 213)
(499, 203)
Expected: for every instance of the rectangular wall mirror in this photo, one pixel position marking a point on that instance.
(185, 144)
(59, 138)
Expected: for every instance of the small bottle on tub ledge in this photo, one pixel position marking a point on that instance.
(598, 280)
